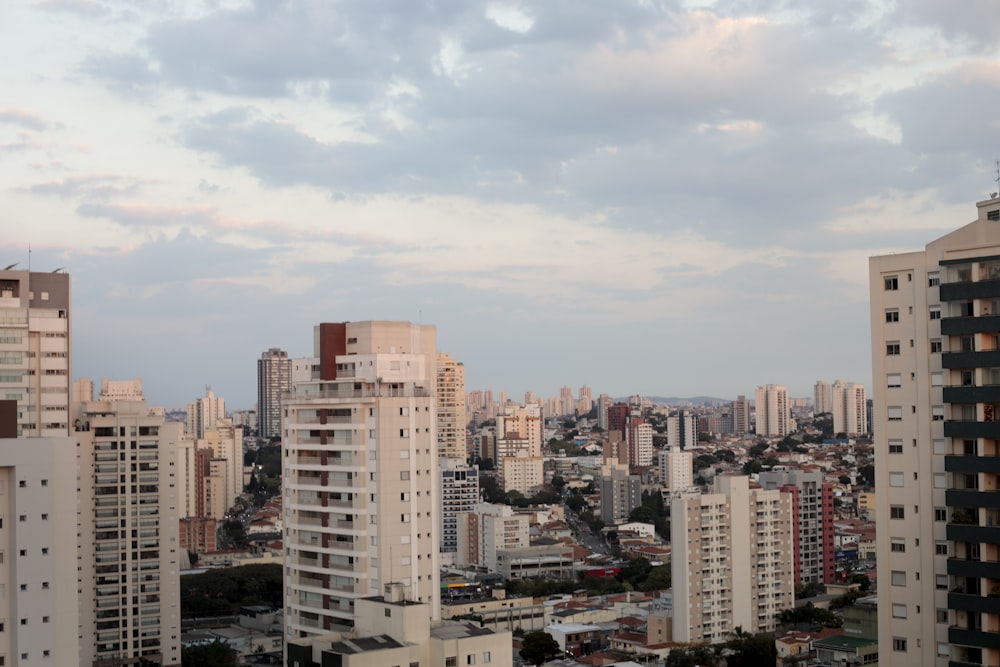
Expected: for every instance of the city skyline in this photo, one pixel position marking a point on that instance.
(650, 201)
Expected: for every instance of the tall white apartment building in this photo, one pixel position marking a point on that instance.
(488, 530)
(526, 423)
(772, 410)
(850, 408)
(936, 391)
(639, 441)
(129, 583)
(676, 469)
(459, 494)
(203, 413)
(682, 430)
(620, 493)
(813, 506)
(226, 443)
(822, 397)
(37, 548)
(732, 560)
(360, 474)
(274, 378)
(35, 350)
(450, 394)
(741, 415)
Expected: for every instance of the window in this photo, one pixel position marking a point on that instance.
(899, 611)
(935, 346)
(898, 644)
(898, 545)
(941, 582)
(404, 475)
(45, 517)
(892, 347)
(935, 312)
(896, 512)
(891, 315)
(940, 480)
(388, 613)
(895, 479)
(940, 514)
(941, 548)
(470, 659)
(937, 379)
(45, 551)
(895, 446)
(933, 279)
(895, 413)
(937, 413)
(486, 656)
(898, 578)
(404, 433)
(941, 615)
(451, 662)
(45, 482)
(894, 380)
(891, 283)
(22, 484)
(939, 446)
(45, 619)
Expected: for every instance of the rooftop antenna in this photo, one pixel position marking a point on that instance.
(996, 180)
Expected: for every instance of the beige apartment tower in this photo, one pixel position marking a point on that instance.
(450, 394)
(732, 560)
(773, 414)
(361, 476)
(35, 350)
(935, 317)
(129, 568)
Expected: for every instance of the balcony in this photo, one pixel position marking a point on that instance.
(971, 429)
(989, 393)
(958, 532)
(963, 567)
(966, 291)
(957, 326)
(971, 463)
(974, 602)
(971, 498)
(979, 638)
(984, 359)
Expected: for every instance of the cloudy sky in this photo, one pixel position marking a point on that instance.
(670, 198)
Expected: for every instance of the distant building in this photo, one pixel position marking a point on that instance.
(682, 430)
(621, 493)
(850, 408)
(822, 397)
(274, 378)
(813, 525)
(203, 413)
(485, 531)
(732, 560)
(450, 396)
(772, 411)
(741, 415)
(459, 494)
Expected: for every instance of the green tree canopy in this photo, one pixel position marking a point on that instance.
(538, 646)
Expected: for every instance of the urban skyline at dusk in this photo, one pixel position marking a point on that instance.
(648, 199)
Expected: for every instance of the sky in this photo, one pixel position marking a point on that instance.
(658, 198)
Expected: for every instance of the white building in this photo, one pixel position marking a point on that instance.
(35, 350)
(732, 560)
(129, 602)
(459, 494)
(822, 397)
(274, 378)
(934, 319)
(38, 541)
(772, 410)
(450, 396)
(487, 530)
(676, 470)
(204, 413)
(850, 408)
(360, 474)
(682, 430)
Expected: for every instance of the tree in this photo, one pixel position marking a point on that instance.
(490, 489)
(538, 646)
(216, 654)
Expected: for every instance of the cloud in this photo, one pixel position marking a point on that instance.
(99, 186)
(24, 118)
(86, 8)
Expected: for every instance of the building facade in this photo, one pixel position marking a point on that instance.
(459, 494)
(360, 474)
(850, 408)
(35, 350)
(129, 566)
(450, 396)
(732, 560)
(813, 527)
(274, 378)
(772, 411)
(935, 375)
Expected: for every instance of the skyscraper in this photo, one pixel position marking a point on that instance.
(741, 415)
(450, 396)
(935, 326)
(822, 398)
(128, 524)
(35, 350)
(274, 378)
(682, 430)
(361, 476)
(850, 408)
(732, 560)
(203, 413)
(772, 410)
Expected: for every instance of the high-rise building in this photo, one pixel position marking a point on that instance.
(459, 494)
(772, 410)
(450, 396)
(822, 398)
(360, 474)
(274, 378)
(620, 494)
(35, 350)
(603, 403)
(682, 430)
(732, 560)
(850, 408)
(487, 530)
(37, 546)
(676, 469)
(812, 501)
(639, 441)
(203, 413)
(129, 583)
(741, 415)
(934, 319)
